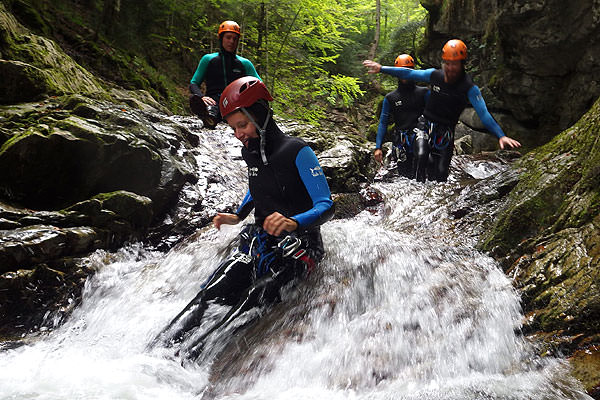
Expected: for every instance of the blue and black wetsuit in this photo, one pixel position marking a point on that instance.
(217, 70)
(405, 105)
(291, 183)
(442, 111)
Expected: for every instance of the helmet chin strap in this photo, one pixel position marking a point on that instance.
(261, 132)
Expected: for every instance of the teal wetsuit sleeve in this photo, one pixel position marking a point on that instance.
(246, 206)
(315, 182)
(201, 69)
(383, 123)
(249, 67)
(478, 103)
(417, 75)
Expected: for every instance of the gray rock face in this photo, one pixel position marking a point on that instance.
(78, 175)
(538, 61)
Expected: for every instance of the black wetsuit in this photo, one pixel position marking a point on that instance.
(293, 184)
(446, 102)
(405, 105)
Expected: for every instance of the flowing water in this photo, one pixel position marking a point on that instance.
(402, 307)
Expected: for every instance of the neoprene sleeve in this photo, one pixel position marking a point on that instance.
(418, 75)
(486, 118)
(316, 184)
(383, 123)
(246, 206)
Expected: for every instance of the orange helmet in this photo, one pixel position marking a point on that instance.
(229, 26)
(404, 60)
(454, 49)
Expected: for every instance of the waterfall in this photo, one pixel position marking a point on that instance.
(402, 307)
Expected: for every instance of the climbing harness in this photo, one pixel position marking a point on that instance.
(441, 136)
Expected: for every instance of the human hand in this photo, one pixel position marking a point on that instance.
(378, 154)
(372, 66)
(276, 223)
(209, 101)
(225, 218)
(505, 141)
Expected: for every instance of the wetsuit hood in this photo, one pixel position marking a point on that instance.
(260, 112)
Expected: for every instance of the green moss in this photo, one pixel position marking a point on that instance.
(16, 138)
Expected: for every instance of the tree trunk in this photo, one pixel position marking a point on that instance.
(259, 44)
(375, 44)
(110, 13)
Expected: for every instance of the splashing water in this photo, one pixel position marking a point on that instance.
(402, 307)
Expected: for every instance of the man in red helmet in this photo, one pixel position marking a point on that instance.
(291, 199)
(217, 70)
(405, 105)
(451, 89)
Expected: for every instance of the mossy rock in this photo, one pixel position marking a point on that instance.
(135, 209)
(35, 66)
(547, 236)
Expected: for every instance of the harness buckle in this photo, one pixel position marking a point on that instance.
(288, 245)
(299, 254)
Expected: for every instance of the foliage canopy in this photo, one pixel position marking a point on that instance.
(308, 52)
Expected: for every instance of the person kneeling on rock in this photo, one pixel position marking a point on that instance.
(217, 70)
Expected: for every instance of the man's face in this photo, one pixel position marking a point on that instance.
(230, 41)
(452, 70)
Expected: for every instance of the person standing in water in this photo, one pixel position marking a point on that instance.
(451, 89)
(405, 105)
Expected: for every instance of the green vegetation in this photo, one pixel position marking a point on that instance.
(308, 52)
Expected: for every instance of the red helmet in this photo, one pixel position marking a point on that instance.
(242, 93)
(454, 50)
(404, 60)
(229, 26)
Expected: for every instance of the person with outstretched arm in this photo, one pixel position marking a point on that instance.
(291, 199)
(451, 89)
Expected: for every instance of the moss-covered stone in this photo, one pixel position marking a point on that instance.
(36, 66)
(548, 239)
(134, 208)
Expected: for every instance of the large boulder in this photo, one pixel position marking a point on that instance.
(548, 239)
(69, 149)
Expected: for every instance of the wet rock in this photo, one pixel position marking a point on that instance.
(25, 247)
(464, 145)
(547, 234)
(347, 205)
(43, 67)
(347, 166)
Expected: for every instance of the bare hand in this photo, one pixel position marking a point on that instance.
(209, 101)
(505, 141)
(276, 223)
(372, 66)
(225, 218)
(378, 154)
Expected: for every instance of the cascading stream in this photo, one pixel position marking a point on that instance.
(402, 307)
